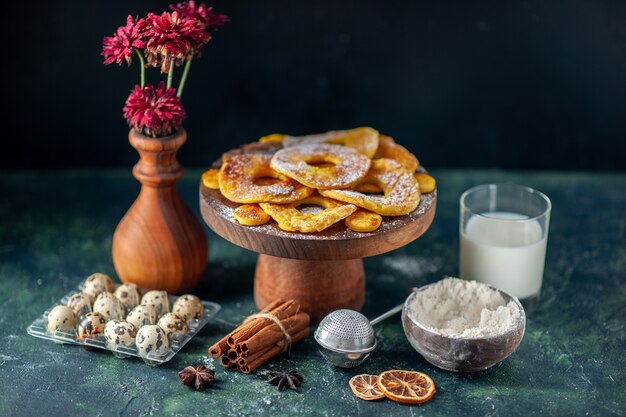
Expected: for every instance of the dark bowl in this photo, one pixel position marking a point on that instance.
(463, 354)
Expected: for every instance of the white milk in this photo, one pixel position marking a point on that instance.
(506, 254)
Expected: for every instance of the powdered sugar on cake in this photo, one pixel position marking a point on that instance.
(297, 162)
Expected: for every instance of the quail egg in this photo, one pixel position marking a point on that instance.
(128, 294)
(142, 316)
(173, 324)
(119, 333)
(61, 318)
(158, 300)
(90, 325)
(188, 306)
(97, 283)
(109, 306)
(151, 340)
(79, 303)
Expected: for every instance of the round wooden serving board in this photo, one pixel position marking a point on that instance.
(335, 243)
(322, 271)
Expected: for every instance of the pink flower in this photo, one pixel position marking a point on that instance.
(155, 112)
(122, 44)
(201, 13)
(172, 39)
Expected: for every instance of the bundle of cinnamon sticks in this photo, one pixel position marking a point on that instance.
(260, 337)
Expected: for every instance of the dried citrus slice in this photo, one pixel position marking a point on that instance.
(410, 387)
(366, 387)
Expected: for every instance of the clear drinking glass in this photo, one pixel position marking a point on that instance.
(503, 233)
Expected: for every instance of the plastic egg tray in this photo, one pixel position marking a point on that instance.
(38, 329)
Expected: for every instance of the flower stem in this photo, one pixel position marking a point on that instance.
(170, 75)
(183, 78)
(143, 67)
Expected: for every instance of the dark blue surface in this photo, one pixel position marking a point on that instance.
(56, 229)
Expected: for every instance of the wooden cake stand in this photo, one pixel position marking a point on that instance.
(322, 271)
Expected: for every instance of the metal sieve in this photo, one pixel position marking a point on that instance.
(346, 337)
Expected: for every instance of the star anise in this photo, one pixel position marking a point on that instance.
(199, 377)
(286, 379)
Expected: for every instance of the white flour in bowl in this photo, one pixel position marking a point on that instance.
(465, 309)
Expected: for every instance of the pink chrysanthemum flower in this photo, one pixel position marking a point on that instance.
(201, 13)
(155, 112)
(172, 39)
(121, 46)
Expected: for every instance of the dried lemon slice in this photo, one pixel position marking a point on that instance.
(410, 387)
(366, 387)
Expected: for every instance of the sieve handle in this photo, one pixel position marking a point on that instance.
(387, 314)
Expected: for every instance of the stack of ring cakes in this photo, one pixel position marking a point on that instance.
(309, 183)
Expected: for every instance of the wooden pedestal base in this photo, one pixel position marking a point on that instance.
(319, 286)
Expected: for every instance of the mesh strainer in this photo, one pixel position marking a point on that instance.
(346, 337)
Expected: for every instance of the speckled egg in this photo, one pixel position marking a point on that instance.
(119, 333)
(129, 295)
(96, 284)
(173, 324)
(158, 300)
(151, 340)
(79, 303)
(109, 306)
(142, 316)
(90, 325)
(61, 318)
(188, 306)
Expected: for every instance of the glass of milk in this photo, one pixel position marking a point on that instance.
(503, 232)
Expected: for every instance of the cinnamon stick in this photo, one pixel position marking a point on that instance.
(272, 334)
(253, 356)
(220, 348)
(253, 326)
(225, 361)
(251, 366)
(231, 354)
(258, 339)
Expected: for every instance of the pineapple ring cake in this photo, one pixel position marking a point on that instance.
(401, 194)
(363, 139)
(291, 219)
(238, 175)
(322, 166)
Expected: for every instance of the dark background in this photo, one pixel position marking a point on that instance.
(509, 84)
